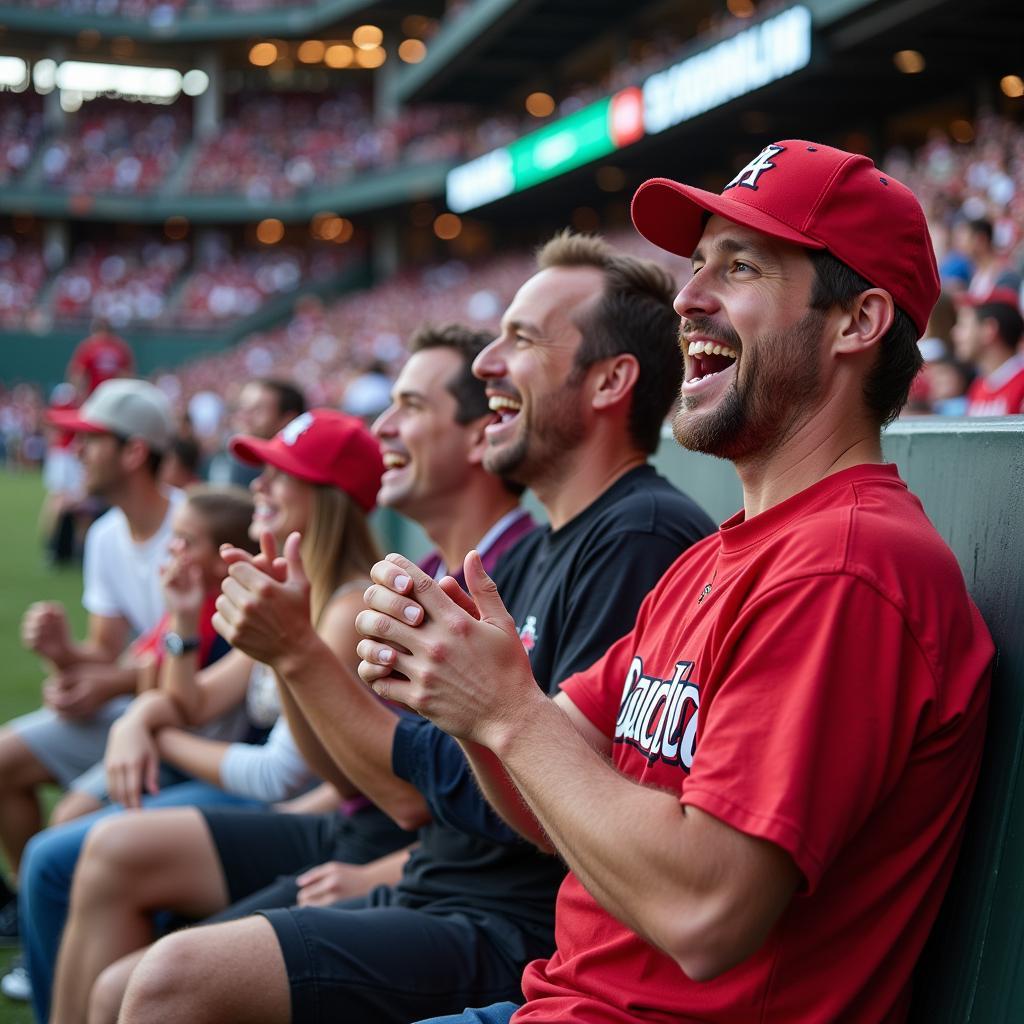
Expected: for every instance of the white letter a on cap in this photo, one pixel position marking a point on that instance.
(761, 163)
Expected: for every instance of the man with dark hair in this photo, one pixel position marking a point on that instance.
(991, 270)
(776, 763)
(265, 405)
(474, 903)
(124, 428)
(987, 335)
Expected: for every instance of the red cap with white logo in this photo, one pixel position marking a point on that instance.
(817, 197)
(321, 447)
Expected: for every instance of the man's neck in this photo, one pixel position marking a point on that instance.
(144, 506)
(823, 445)
(479, 509)
(582, 477)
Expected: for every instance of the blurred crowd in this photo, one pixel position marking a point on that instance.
(156, 12)
(972, 192)
(117, 148)
(156, 283)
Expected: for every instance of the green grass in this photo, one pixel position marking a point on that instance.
(25, 578)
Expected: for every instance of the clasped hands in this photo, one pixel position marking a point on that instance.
(455, 658)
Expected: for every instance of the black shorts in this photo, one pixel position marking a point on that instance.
(261, 852)
(371, 961)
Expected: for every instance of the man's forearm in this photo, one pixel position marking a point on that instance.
(120, 679)
(502, 794)
(355, 729)
(604, 825)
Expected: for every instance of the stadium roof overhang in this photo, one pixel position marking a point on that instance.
(497, 44)
(199, 24)
(848, 92)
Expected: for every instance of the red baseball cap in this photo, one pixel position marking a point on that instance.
(997, 297)
(817, 197)
(321, 446)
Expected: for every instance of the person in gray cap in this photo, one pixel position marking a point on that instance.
(124, 428)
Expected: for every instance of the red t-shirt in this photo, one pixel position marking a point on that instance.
(100, 358)
(816, 677)
(1001, 393)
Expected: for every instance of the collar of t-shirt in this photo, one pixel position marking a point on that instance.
(626, 483)
(1004, 373)
(487, 541)
(738, 533)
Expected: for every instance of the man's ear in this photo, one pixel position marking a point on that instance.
(134, 453)
(866, 323)
(613, 380)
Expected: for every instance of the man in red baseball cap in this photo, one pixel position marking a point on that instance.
(986, 335)
(759, 791)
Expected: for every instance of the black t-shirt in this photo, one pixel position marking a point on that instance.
(572, 593)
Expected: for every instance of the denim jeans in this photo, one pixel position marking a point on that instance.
(44, 889)
(498, 1013)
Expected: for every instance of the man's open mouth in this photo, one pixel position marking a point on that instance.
(706, 358)
(395, 460)
(506, 408)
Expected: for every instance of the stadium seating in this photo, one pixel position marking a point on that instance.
(116, 148)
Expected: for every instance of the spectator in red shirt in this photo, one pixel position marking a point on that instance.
(986, 335)
(99, 357)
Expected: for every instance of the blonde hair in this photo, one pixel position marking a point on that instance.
(337, 546)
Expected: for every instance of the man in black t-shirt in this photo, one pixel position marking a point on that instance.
(580, 379)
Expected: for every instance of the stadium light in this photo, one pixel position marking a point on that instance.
(339, 55)
(13, 74)
(412, 51)
(195, 82)
(262, 55)
(89, 79)
(80, 80)
(311, 51)
(368, 37)
(1012, 86)
(540, 104)
(44, 76)
(371, 58)
(447, 227)
(270, 231)
(910, 62)
(741, 8)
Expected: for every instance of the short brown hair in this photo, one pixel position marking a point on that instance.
(633, 316)
(887, 386)
(467, 390)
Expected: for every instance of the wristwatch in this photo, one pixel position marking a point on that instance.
(176, 645)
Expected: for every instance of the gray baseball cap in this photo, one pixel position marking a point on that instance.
(126, 407)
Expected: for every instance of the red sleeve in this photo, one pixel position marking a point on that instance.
(78, 358)
(814, 702)
(597, 691)
(151, 642)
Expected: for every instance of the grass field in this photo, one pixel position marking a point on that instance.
(25, 578)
